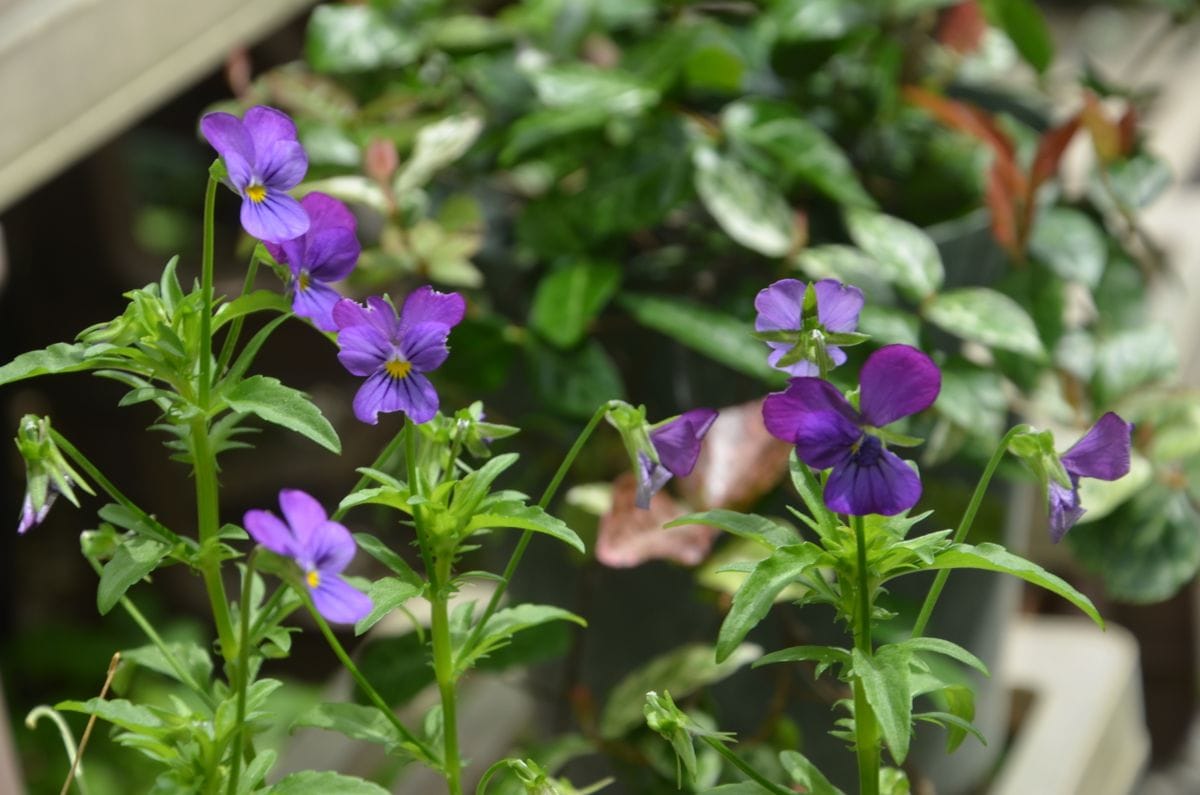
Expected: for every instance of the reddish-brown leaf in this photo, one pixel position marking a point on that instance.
(961, 27)
(629, 536)
(1050, 151)
(1128, 130)
(1003, 206)
(962, 117)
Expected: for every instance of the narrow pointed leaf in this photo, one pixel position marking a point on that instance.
(744, 525)
(756, 595)
(270, 400)
(884, 675)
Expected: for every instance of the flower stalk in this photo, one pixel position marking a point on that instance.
(866, 732)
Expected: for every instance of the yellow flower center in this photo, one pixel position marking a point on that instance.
(304, 281)
(313, 578)
(398, 368)
(256, 193)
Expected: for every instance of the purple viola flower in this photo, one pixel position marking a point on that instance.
(781, 308)
(325, 253)
(677, 443)
(29, 517)
(264, 161)
(394, 352)
(1102, 453)
(321, 548)
(829, 433)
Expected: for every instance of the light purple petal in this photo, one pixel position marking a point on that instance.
(1103, 452)
(779, 306)
(424, 345)
(872, 481)
(282, 166)
(838, 305)
(326, 212)
(331, 548)
(363, 348)
(339, 602)
(304, 515)
(316, 303)
(266, 126)
(31, 518)
(651, 477)
(678, 441)
(268, 530)
(348, 313)
(897, 380)
(380, 393)
(426, 305)
(229, 137)
(798, 369)
(277, 218)
(331, 253)
(1065, 509)
(782, 411)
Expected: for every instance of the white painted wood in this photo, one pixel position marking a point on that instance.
(75, 72)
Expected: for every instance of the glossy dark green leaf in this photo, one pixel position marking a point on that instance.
(1025, 25)
(750, 209)
(1131, 358)
(973, 398)
(569, 298)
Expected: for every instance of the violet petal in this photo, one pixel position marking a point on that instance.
(838, 305)
(1103, 452)
(303, 514)
(268, 530)
(872, 481)
(331, 547)
(678, 441)
(779, 306)
(339, 602)
(277, 218)
(424, 345)
(316, 303)
(1065, 509)
(425, 305)
(897, 380)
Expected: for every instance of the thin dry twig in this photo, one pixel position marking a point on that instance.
(87, 732)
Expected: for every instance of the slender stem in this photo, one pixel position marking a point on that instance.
(418, 746)
(208, 521)
(519, 551)
(443, 669)
(243, 673)
(740, 764)
(964, 527)
(866, 731)
(91, 724)
(380, 460)
(206, 292)
(235, 327)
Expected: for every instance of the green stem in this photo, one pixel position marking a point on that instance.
(417, 746)
(204, 466)
(741, 764)
(519, 551)
(866, 731)
(206, 293)
(243, 674)
(235, 327)
(443, 669)
(964, 527)
(380, 460)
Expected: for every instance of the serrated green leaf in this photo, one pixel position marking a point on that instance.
(324, 783)
(756, 595)
(356, 721)
(906, 255)
(507, 622)
(61, 357)
(386, 595)
(270, 400)
(749, 208)
(750, 526)
(384, 554)
(720, 337)
(947, 649)
(133, 560)
(119, 712)
(525, 517)
(680, 671)
(884, 677)
(824, 656)
(569, 298)
(191, 658)
(243, 305)
(806, 774)
(988, 317)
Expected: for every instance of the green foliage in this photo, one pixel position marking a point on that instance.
(269, 400)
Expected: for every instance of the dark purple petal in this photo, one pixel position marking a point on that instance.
(331, 548)
(339, 602)
(1065, 509)
(380, 393)
(268, 530)
(783, 412)
(277, 218)
(651, 477)
(326, 212)
(290, 252)
(331, 253)
(229, 137)
(282, 166)
(304, 515)
(426, 305)
(424, 345)
(872, 480)
(364, 349)
(678, 441)
(897, 380)
(779, 306)
(266, 126)
(316, 303)
(1103, 452)
(838, 305)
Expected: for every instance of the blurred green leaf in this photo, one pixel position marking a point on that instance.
(1134, 183)
(1132, 358)
(718, 336)
(806, 774)
(983, 315)
(324, 783)
(356, 38)
(1025, 25)
(1070, 244)
(506, 623)
(574, 382)
(907, 256)
(888, 325)
(806, 20)
(749, 208)
(848, 265)
(356, 721)
(973, 399)
(681, 671)
(569, 298)
(437, 146)
(586, 86)
(397, 666)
